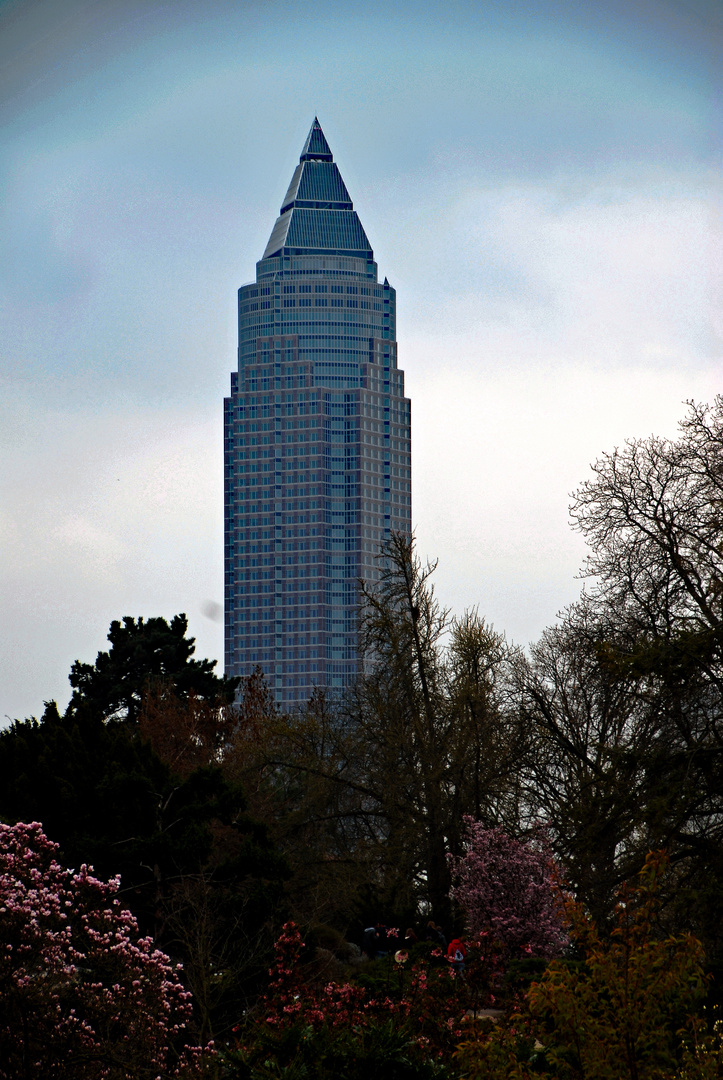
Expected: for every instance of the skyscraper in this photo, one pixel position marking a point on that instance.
(317, 440)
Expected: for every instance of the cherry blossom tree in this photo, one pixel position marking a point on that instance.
(510, 889)
(82, 995)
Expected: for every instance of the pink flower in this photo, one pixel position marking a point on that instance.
(61, 922)
(510, 892)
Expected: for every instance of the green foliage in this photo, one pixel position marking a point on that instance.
(108, 799)
(383, 1050)
(144, 654)
(435, 746)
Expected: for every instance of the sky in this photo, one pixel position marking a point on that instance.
(540, 181)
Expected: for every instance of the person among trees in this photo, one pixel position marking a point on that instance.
(370, 942)
(435, 934)
(375, 941)
(456, 955)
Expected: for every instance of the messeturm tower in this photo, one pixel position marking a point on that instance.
(316, 440)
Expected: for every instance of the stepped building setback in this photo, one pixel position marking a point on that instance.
(317, 440)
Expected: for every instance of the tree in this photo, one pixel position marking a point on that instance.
(365, 791)
(145, 654)
(303, 775)
(428, 715)
(587, 738)
(107, 798)
(187, 732)
(623, 701)
(197, 871)
(428, 718)
(652, 517)
(510, 890)
(82, 994)
(617, 1016)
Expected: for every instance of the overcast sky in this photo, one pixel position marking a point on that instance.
(539, 180)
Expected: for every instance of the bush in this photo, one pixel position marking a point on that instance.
(82, 995)
(618, 1016)
(400, 1019)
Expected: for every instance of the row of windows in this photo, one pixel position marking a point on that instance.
(289, 668)
(280, 370)
(290, 574)
(269, 399)
(352, 290)
(275, 384)
(347, 341)
(322, 302)
(358, 325)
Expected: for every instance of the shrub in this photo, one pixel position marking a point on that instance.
(403, 1019)
(617, 1016)
(82, 995)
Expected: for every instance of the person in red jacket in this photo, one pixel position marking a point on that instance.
(456, 954)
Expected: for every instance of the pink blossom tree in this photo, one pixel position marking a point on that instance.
(82, 995)
(510, 890)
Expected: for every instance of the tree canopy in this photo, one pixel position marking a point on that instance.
(622, 701)
(145, 654)
(224, 815)
(138, 790)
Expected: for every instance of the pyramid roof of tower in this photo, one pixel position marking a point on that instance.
(317, 213)
(317, 182)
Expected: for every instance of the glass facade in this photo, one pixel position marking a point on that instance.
(316, 440)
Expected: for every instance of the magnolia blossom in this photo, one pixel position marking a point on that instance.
(510, 889)
(82, 994)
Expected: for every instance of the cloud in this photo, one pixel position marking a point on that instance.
(495, 458)
(615, 273)
(537, 185)
(558, 323)
(103, 516)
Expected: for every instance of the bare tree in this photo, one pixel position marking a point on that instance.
(623, 700)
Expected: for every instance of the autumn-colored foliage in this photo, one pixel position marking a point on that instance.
(621, 1014)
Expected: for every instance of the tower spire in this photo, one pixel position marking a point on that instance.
(317, 214)
(316, 148)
